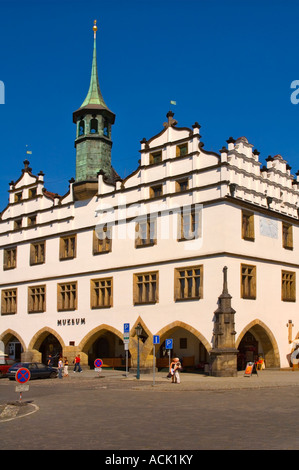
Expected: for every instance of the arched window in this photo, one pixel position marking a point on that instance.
(94, 126)
(106, 128)
(81, 127)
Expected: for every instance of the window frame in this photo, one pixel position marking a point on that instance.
(186, 288)
(41, 303)
(248, 285)
(287, 236)
(67, 252)
(94, 296)
(73, 303)
(41, 257)
(4, 309)
(150, 224)
(105, 242)
(10, 260)
(248, 227)
(153, 297)
(288, 286)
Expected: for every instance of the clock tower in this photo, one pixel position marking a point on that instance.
(93, 137)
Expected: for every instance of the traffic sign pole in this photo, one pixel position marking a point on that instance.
(22, 376)
(126, 343)
(156, 340)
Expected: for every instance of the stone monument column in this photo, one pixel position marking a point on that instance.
(224, 353)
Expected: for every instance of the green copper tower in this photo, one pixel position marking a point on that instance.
(93, 139)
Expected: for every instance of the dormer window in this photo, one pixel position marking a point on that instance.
(182, 150)
(156, 191)
(31, 221)
(81, 129)
(18, 196)
(32, 192)
(155, 157)
(94, 126)
(18, 224)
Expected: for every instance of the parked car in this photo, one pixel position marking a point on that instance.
(5, 364)
(37, 370)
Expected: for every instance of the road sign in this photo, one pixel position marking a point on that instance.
(126, 338)
(156, 339)
(23, 375)
(168, 344)
(22, 388)
(98, 363)
(126, 327)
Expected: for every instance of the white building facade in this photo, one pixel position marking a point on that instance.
(150, 250)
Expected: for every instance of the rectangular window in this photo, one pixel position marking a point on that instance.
(146, 232)
(188, 283)
(101, 292)
(156, 191)
(155, 157)
(287, 236)
(9, 301)
(67, 296)
(248, 225)
(36, 299)
(248, 281)
(288, 286)
(189, 224)
(37, 253)
(31, 221)
(145, 288)
(102, 240)
(181, 150)
(67, 247)
(32, 193)
(182, 185)
(18, 224)
(18, 197)
(10, 258)
(183, 343)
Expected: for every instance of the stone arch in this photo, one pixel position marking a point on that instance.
(7, 334)
(94, 335)
(261, 331)
(88, 339)
(33, 352)
(180, 324)
(40, 335)
(147, 348)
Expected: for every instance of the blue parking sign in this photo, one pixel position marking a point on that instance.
(168, 343)
(126, 327)
(156, 339)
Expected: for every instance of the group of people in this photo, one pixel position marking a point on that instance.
(63, 365)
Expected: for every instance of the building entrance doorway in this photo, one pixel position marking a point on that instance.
(50, 345)
(257, 342)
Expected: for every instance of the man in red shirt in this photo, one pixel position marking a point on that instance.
(77, 363)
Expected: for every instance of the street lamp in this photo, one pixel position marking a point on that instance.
(138, 330)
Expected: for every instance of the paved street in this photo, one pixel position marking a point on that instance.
(112, 412)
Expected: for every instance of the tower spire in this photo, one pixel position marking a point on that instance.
(94, 95)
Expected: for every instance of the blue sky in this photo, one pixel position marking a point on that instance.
(228, 64)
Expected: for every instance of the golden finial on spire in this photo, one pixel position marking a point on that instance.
(95, 28)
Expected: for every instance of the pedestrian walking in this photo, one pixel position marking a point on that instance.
(174, 370)
(77, 363)
(66, 367)
(60, 367)
(50, 360)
